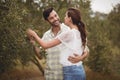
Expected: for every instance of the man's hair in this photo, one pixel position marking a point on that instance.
(47, 12)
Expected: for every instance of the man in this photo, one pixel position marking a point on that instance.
(53, 70)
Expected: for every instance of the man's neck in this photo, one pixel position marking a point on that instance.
(55, 30)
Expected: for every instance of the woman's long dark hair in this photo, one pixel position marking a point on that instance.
(76, 19)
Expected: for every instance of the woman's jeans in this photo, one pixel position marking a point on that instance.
(74, 72)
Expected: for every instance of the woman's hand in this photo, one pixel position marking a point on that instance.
(30, 33)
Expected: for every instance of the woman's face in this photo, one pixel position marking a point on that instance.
(67, 19)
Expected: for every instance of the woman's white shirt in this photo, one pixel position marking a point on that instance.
(72, 42)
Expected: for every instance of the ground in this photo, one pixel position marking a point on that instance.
(30, 72)
(22, 75)
(33, 73)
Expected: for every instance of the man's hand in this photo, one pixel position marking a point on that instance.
(74, 59)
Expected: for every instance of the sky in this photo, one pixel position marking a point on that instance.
(104, 6)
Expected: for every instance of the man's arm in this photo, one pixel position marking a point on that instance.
(37, 52)
(76, 58)
(36, 49)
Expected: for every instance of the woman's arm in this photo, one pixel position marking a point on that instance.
(44, 44)
(49, 44)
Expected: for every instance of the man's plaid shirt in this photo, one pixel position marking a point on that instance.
(53, 70)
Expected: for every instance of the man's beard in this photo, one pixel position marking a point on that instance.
(55, 24)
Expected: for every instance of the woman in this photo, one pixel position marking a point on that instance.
(74, 41)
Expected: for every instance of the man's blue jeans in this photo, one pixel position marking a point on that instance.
(74, 72)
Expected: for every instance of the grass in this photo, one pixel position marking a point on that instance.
(32, 73)
(20, 75)
(98, 76)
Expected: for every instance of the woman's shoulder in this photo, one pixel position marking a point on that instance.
(64, 27)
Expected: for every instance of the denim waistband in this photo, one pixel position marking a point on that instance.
(72, 66)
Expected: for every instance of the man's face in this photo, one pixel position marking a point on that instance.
(54, 19)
